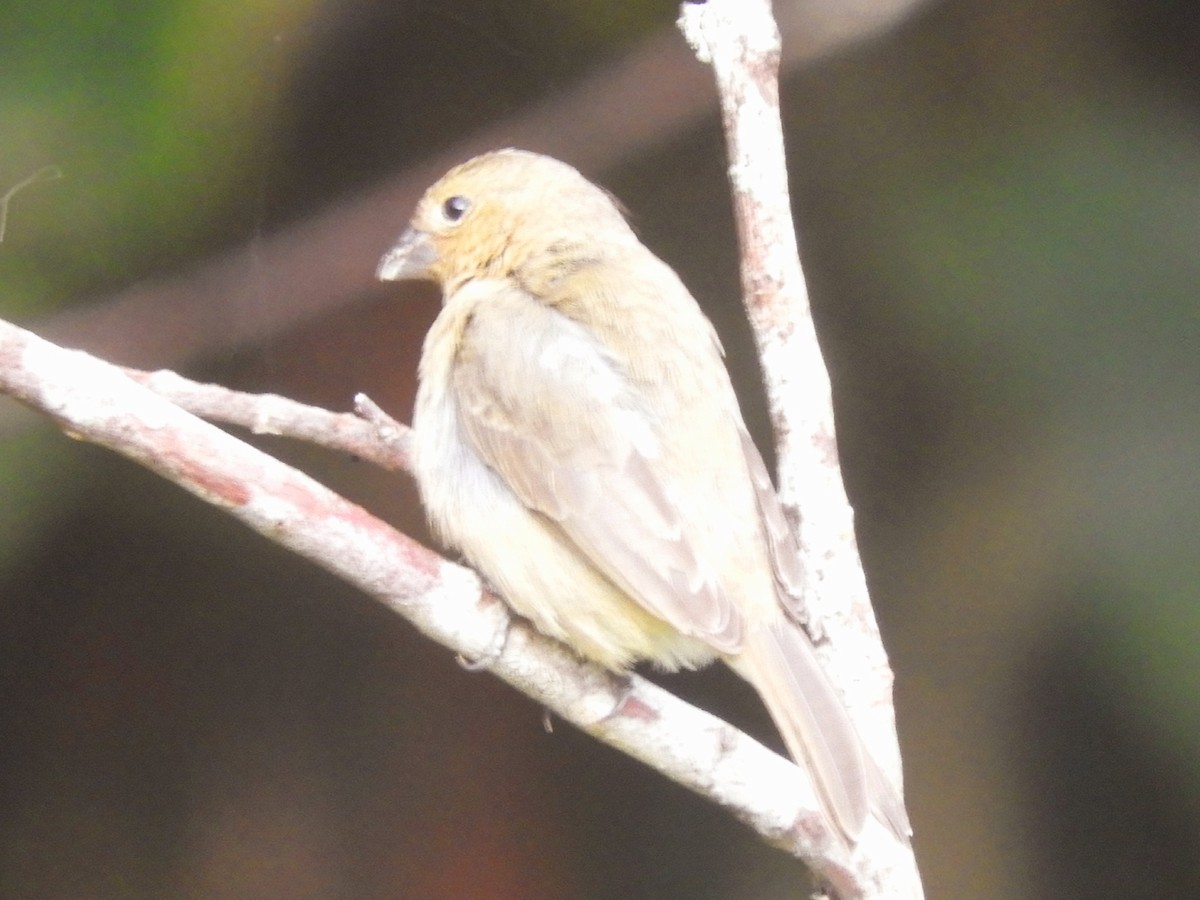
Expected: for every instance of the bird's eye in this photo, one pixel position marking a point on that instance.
(455, 208)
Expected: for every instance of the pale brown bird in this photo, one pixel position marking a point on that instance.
(577, 437)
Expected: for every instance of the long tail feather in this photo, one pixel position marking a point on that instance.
(779, 661)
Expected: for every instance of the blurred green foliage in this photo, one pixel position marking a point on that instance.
(154, 111)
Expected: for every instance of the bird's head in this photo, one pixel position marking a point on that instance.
(490, 215)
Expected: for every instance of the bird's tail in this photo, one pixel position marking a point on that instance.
(779, 661)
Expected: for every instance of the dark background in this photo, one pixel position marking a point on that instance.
(999, 206)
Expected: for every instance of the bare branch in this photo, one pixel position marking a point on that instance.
(740, 39)
(376, 437)
(95, 401)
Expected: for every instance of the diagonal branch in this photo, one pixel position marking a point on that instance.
(95, 401)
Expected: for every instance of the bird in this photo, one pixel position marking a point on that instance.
(576, 437)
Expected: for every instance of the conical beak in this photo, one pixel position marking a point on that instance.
(411, 258)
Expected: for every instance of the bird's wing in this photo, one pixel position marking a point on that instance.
(556, 416)
(781, 541)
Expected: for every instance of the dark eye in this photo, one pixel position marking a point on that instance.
(455, 208)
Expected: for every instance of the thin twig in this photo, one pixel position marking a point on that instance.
(46, 173)
(369, 435)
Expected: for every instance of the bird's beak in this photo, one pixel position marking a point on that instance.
(411, 258)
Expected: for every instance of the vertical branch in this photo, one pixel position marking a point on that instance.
(739, 38)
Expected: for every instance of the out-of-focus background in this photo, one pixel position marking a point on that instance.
(999, 206)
